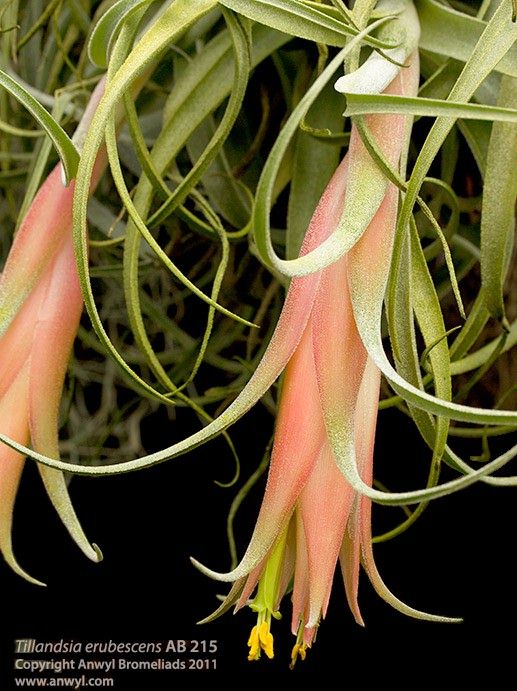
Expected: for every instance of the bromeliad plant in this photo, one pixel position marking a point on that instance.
(399, 231)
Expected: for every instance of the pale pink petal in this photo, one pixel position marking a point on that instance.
(324, 505)
(54, 332)
(46, 224)
(365, 425)
(250, 584)
(374, 248)
(340, 360)
(339, 354)
(13, 423)
(16, 343)
(300, 596)
(296, 310)
(42, 231)
(299, 435)
(350, 561)
(53, 336)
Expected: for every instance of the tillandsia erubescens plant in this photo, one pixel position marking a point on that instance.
(387, 221)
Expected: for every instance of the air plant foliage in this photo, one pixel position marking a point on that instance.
(308, 206)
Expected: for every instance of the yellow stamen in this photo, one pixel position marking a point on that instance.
(254, 644)
(266, 639)
(261, 639)
(299, 650)
(266, 600)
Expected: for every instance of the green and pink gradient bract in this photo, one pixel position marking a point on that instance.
(40, 309)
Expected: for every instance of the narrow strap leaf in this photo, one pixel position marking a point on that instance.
(67, 152)
(106, 29)
(455, 34)
(118, 177)
(172, 23)
(57, 490)
(363, 104)
(189, 103)
(242, 68)
(478, 357)
(497, 38)
(499, 197)
(476, 320)
(299, 19)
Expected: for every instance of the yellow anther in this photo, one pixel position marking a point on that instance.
(261, 639)
(254, 644)
(266, 639)
(299, 649)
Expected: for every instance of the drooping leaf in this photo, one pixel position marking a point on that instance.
(107, 28)
(67, 152)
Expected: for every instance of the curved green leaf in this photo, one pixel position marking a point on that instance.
(298, 19)
(64, 146)
(499, 197)
(220, 423)
(455, 34)
(497, 38)
(189, 103)
(172, 23)
(341, 239)
(477, 358)
(364, 104)
(315, 160)
(242, 69)
(106, 30)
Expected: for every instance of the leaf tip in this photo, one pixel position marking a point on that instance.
(99, 556)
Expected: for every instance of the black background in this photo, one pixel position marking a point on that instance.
(458, 560)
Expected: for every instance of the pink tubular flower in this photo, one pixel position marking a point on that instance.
(310, 516)
(40, 308)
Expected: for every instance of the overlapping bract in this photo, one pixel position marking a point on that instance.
(310, 516)
(40, 309)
